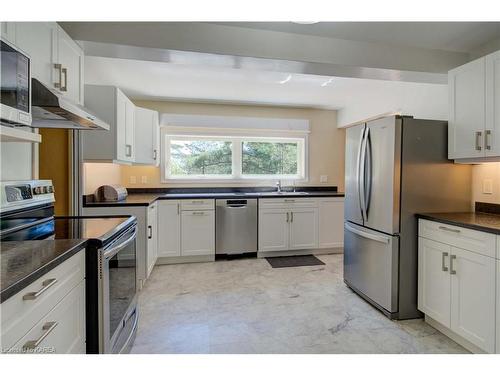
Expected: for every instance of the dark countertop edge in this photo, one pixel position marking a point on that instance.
(457, 223)
(15, 288)
(179, 196)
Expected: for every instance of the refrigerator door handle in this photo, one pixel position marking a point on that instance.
(369, 174)
(361, 177)
(368, 235)
(358, 171)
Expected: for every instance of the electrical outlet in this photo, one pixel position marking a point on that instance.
(133, 180)
(487, 186)
(144, 179)
(323, 178)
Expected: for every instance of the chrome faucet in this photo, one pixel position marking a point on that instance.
(278, 186)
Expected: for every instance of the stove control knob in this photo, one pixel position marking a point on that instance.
(50, 189)
(37, 190)
(45, 190)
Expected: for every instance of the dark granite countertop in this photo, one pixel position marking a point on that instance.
(145, 199)
(484, 222)
(22, 262)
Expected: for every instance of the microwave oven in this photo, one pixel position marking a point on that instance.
(15, 80)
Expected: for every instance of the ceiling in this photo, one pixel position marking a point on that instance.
(447, 36)
(149, 80)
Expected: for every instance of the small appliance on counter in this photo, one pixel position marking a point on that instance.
(110, 193)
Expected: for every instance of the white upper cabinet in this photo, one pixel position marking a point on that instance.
(474, 109)
(492, 133)
(117, 144)
(56, 59)
(70, 62)
(146, 136)
(39, 40)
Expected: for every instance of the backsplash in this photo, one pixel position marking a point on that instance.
(484, 175)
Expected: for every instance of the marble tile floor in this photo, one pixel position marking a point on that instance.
(245, 306)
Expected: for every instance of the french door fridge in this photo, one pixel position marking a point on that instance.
(395, 167)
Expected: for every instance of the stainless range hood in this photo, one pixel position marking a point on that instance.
(52, 110)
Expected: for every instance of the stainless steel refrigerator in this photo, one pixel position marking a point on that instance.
(395, 167)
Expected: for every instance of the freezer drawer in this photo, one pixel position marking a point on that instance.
(371, 265)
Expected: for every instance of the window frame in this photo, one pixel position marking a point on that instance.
(237, 139)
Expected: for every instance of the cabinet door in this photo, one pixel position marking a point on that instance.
(331, 222)
(466, 122)
(130, 129)
(197, 233)
(146, 137)
(123, 150)
(473, 298)
(152, 237)
(304, 228)
(274, 229)
(63, 327)
(492, 133)
(70, 56)
(39, 40)
(169, 228)
(8, 31)
(434, 284)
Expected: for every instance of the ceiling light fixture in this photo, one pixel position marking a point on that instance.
(286, 79)
(326, 83)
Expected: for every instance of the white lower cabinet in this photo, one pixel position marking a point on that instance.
(61, 331)
(457, 287)
(152, 237)
(169, 228)
(303, 228)
(274, 229)
(331, 222)
(48, 316)
(434, 282)
(473, 297)
(186, 228)
(197, 233)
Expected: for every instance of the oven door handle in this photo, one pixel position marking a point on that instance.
(111, 251)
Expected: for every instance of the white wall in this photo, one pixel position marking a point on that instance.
(420, 100)
(16, 161)
(480, 173)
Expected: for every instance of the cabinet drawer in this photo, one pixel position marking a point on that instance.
(463, 238)
(287, 202)
(197, 204)
(19, 315)
(61, 331)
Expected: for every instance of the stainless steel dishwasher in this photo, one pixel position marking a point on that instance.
(236, 226)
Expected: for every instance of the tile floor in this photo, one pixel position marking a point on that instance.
(245, 306)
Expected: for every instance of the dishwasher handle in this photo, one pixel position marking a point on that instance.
(236, 203)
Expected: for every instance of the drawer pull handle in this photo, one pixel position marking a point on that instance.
(45, 286)
(289, 200)
(150, 230)
(291, 217)
(47, 327)
(201, 213)
(443, 267)
(449, 229)
(197, 202)
(452, 271)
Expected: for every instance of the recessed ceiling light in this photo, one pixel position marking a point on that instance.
(286, 79)
(326, 83)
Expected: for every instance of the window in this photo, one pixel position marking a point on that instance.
(193, 157)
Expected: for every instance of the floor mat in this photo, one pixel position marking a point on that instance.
(294, 261)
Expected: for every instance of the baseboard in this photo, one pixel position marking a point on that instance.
(268, 254)
(452, 335)
(185, 259)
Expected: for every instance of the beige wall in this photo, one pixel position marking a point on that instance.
(483, 172)
(97, 174)
(326, 142)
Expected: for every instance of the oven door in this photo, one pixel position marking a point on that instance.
(118, 321)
